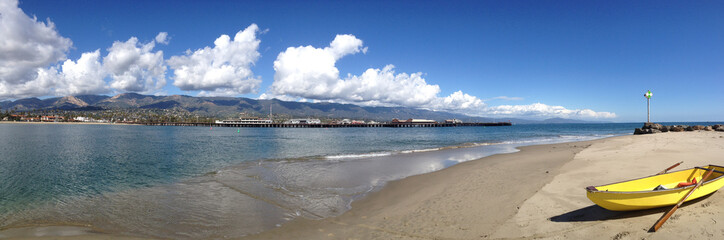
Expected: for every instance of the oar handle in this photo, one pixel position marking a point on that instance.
(672, 167)
(671, 212)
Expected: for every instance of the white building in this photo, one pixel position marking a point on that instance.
(453, 121)
(303, 121)
(247, 120)
(83, 119)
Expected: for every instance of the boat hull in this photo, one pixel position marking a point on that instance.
(638, 194)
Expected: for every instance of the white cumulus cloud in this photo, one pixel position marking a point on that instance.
(310, 72)
(224, 69)
(134, 67)
(540, 110)
(38, 86)
(26, 44)
(459, 102)
(162, 38)
(30, 59)
(33, 61)
(82, 77)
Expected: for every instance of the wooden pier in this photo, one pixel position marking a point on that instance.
(328, 125)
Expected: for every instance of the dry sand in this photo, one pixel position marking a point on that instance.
(561, 210)
(533, 194)
(537, 193)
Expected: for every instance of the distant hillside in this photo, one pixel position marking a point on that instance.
(224, 107)
(227, 107)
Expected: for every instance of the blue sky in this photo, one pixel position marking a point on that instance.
(588, 60)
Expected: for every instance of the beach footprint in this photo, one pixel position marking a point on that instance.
(621, 235)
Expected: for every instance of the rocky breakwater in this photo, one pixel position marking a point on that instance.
(658, 128)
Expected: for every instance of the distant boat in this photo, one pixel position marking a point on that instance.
(641, 194)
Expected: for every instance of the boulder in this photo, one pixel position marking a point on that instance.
(639, 131)
(665, 128)
(649, 125)
(698, 127)
(708, 128)
(719, 128)
(676, 128)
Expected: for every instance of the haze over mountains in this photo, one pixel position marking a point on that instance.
(224, 107)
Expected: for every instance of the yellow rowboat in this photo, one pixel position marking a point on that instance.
(640, 194)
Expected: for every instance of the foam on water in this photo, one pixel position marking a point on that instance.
(360, 155)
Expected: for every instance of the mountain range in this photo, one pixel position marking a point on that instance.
(225, 107)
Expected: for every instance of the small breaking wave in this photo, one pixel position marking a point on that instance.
(359, 155)
(527, 141)
(389, 153)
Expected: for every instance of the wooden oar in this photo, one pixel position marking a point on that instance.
(672, 167)
(671, 212)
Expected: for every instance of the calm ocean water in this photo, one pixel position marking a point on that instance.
(190, 182)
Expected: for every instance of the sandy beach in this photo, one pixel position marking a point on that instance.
(532, 194)
(536, 193)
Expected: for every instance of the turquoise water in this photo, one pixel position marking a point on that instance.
(110, 176)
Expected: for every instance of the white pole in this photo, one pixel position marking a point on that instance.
(648, 95)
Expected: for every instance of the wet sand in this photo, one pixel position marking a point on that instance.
(535, 193)
(466, 201)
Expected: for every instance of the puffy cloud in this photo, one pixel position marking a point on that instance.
(32, 54)
(134, 67)
(224, 69)
(459, 101)
(26, 45)
(38, 86)
(162, 38)
(305, 71)
(310, 72)
(345, 44)
(29, 52)
(82, 77)
(540, 110)
(384, 86)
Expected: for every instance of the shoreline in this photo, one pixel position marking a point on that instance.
(537, 192)
(405, 203)
(473, 200)
(59, 229)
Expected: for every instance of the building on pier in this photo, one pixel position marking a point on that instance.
(247, 120)
(413, 121)
(303, 121)
(453, 121)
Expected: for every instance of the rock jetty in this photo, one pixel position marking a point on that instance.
(658, 128)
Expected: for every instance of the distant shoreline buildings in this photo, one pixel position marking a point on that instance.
(162, 118)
